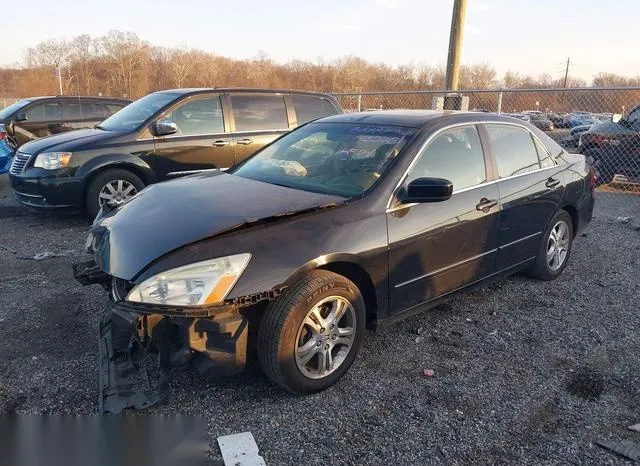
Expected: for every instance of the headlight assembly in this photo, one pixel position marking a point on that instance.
(206, 282)
(52, 160)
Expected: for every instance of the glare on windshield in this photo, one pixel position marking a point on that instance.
(132, 116)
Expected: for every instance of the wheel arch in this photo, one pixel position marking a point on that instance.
(350, 267)
(575, 217)
(118, 161)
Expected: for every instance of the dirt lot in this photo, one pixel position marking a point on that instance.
(525, 372)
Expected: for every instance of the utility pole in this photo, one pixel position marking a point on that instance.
(566, 78)
(453, 102)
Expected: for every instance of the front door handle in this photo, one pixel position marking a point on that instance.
(245, 142)
(486, 204)
(552, 183)
(221, 143)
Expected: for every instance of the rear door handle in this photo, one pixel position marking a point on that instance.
(552, 183)
(245, 142)
(486, 204)
(221, 143)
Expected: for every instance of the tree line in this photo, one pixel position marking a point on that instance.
(120, 64)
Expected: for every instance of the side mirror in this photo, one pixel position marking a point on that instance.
(616, 118)
(423, 190)
(20, 117)
(164, 128)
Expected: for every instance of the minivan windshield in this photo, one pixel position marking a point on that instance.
(346, 159)
(7, 111)
(135, 114)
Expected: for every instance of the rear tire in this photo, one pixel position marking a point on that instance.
(311, 334)
(130, 185)
(555, 248)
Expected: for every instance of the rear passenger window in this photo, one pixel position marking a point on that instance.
(72, 111)
(259, 112)
(93, 111)
(514, 150)
(50, 111)
(455, 155)
(543, 154)
(113, 108)
(309, 107)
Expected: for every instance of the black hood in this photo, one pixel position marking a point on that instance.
(70, 141)
(167, 216)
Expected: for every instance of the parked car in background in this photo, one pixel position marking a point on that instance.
(623, 132)
(519, 116)
(37, 117)
(541, 122)
(6, 151)
(558, 119)
(158, 137)
(350, 222)
(580, 120)
(576, 133)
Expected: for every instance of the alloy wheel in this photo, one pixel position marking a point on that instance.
(325, 337)
(558, 245)
(116, 192)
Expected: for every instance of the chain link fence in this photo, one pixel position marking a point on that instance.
(601, 123)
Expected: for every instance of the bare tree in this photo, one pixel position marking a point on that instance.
(127, 54)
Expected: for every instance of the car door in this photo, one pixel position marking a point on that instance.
(201, 142)
(257, 120)
(530, 186)
(38, 120)
(436, 248)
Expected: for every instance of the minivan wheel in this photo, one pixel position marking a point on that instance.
(555, 248)
(112, 187)
(311, 334)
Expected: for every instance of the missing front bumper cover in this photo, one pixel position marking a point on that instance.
(213, 345)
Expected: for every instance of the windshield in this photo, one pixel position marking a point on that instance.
(329, 158)
(6, 112)
(133, 115)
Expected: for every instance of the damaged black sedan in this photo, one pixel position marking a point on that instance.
(347, 223)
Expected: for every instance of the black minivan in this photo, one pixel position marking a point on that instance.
(161, 136)
(37, 117)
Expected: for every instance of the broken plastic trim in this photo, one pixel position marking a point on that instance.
(120, 375)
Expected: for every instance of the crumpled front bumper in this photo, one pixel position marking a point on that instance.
(213, 340)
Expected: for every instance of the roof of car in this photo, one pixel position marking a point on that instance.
(197, 90)
(414, 118)
(84, 97)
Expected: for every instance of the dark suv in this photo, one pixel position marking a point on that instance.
(158, 137)
(37, 117)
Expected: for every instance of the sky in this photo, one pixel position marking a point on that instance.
(527, 36)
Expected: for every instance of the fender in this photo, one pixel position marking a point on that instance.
(115, 160)
(320, 262)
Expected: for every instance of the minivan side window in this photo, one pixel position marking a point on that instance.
(455, 155)
(514, 150)
(259, 112)
(310, 107)
(197, 117)
(72, 111)
(93, 111)
(113, 108)
(47, 111)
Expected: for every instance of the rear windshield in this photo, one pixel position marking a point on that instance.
(6, 112)
(131, 117)
(346, 159)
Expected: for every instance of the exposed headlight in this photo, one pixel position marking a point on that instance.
(206, 282)
(52, 160)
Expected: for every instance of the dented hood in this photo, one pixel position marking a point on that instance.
(167, 216)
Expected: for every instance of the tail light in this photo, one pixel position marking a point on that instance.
(3, 133)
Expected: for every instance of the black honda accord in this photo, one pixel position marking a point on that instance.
(348, 222)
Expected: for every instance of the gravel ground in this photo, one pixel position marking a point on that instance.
(525, 372)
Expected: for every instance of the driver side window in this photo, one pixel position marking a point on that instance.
(197, 117)
(455, 155)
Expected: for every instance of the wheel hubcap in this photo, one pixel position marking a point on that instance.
(116, 192)
(325, 337)
(558, 245)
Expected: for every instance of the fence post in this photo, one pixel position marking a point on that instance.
(359, 102)
(499, 109)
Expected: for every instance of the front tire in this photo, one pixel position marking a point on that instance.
(114, 187)
(311, 334)
(555, 248)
